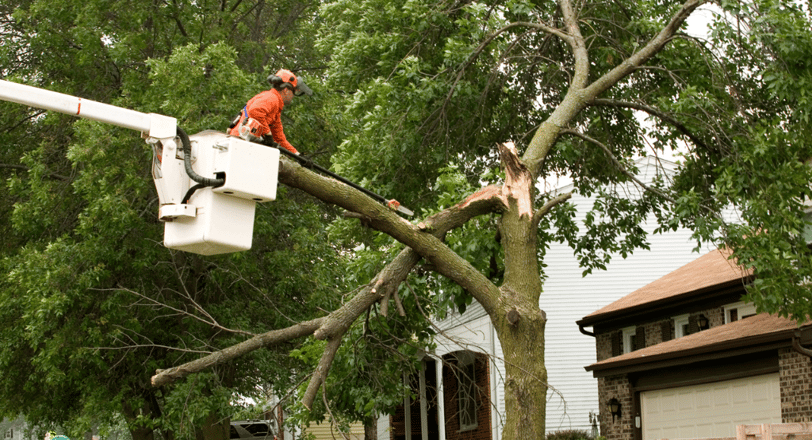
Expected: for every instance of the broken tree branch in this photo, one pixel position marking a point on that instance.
(320, 374)
(163, 377)
(336, 323)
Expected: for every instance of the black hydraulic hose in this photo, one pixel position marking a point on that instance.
(187, 162)
(190, 192)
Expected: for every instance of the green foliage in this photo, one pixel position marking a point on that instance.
(411, 97)
(758, 171)
(92, 304)
(568, 434)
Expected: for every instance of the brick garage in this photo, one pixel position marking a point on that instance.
(796, 386)
(672, 355)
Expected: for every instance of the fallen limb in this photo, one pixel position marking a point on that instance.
(163, 377)
(333, 326)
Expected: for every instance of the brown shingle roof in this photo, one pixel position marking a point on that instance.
(755, 329)
(711, 269)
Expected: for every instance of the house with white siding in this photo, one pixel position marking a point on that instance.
(567, 297)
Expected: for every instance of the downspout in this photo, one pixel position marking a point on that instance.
(796, 345)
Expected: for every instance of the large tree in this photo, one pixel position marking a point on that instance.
(580, 89)
(426, 90)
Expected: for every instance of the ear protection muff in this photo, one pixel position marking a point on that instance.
(275, 81)
(285, 78)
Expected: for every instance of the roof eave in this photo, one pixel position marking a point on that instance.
(629, 313)
(753, 344)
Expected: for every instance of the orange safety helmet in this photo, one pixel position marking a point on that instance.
(285, 78)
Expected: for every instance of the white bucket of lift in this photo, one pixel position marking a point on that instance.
(223, 217)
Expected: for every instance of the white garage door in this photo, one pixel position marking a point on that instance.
(710, 410)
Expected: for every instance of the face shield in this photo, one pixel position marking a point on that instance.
(302, 88)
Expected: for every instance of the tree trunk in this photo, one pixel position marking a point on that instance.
(526, 374)
(518, 320)
(371, 429)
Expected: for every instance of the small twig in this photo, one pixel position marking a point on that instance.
(653, 112)
(25, 168)
(619, 165)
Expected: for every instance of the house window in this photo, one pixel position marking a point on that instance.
(739, 310)
(629, 339)
(466, 394)
(680, 326)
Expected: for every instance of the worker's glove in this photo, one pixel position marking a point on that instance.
(268, 141)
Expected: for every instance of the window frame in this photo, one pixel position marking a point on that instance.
(628, 344)
(466, 392)
(680, 325)
(743, 310)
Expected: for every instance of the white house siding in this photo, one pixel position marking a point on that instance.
(568, 297)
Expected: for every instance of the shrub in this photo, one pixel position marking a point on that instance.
(568, 434)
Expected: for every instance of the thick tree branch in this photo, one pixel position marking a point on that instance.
(334, 325)
(653, 112)
(637, 59)
(428, 246)
(163, 377)
(620, 166)
(320, 374)
(577, 44)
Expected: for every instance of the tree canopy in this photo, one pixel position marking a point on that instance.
(456, 108)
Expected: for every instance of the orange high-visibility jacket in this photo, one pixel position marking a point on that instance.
(266, 108)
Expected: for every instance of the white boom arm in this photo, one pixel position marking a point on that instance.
(214, 217)
(152, 124)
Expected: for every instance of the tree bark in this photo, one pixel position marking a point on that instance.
(519, 321)
(525, 371)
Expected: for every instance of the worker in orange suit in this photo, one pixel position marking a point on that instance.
(263, 113)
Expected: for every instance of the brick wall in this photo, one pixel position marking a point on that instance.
(796, 386)
(654, 331)
(616, 387)
(603, 345)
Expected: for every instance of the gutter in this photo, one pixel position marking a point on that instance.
(796, 343)
(585, 331)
